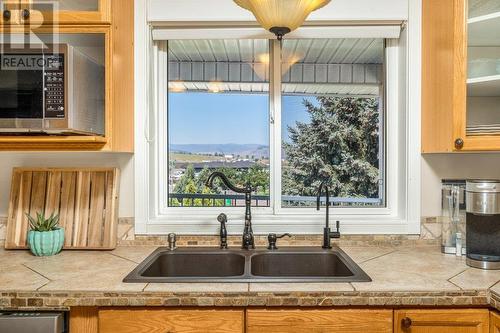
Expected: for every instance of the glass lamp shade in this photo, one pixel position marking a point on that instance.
(288, 14)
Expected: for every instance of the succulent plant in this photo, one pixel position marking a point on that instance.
(42, 223)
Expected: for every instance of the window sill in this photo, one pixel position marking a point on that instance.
(262, 225)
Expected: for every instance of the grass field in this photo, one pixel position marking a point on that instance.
(179, 157)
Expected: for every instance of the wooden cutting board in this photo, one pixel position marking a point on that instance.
(86, 200)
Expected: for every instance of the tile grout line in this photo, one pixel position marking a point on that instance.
(456, 285)
(46, 278)
(37, 289)
(457, 275)
(453, 283)
(379, 256)
(117, 256)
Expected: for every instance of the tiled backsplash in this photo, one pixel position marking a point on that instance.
(430, 235)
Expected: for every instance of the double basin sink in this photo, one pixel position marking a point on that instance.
(293, 264)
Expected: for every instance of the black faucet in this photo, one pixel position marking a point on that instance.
(247, 239)
(222, 218)
(327, 233)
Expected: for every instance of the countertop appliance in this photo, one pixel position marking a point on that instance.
(57, 89)
(32, 322)
(483, 224)
(453, 216)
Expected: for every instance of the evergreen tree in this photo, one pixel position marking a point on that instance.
(340, 144)
(186, 178)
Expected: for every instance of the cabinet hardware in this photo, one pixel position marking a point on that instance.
(406, 322)
(26, 14)
(459, 143)
(6, 15)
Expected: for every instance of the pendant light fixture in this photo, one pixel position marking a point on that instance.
(281, 16)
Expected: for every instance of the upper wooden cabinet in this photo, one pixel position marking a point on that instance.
(83, 27)
(460, 75)
(441, 321)
(36, 12)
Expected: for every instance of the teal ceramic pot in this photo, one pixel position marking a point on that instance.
(46, 243)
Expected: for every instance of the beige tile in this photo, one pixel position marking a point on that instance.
(430, 231)
(17, 277)
(363, 253)
(476, 279)
(2, 232)
(134, 253)
(496, 289)
(411, 269)
(122, 230)
(299, 287)
(86, 271)
(198, 287)
(17, 256)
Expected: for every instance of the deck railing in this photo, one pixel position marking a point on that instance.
(237, 200)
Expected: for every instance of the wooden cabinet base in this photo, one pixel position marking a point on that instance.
(494, 322)
(83, 319)
(441, 321)
(281, 320)
(319, 321)
(144, 320)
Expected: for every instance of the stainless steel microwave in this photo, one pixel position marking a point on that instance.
(54, 90)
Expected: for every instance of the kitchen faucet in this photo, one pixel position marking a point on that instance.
(327, 233)
(247, 239)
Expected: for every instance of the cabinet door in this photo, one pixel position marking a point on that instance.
(482, 118)
(494, 322)
(460, 75)
(151, 320)
(441, 321)
(67, 11)
(319, 321)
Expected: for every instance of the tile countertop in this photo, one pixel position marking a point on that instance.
(402, 276)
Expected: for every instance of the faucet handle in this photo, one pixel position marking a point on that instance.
(222, 218)
(172, 238)
(336, 233)
(272, 238)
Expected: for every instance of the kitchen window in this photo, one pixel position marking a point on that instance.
(283, 116)
(331, 121)
(218, 120)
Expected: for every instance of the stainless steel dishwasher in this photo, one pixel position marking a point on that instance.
(32, 322)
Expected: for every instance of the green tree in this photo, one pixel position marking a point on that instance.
(186, 178)
(340, 144)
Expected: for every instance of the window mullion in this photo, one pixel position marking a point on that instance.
(275, 122)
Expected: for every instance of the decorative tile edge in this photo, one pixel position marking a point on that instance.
(61, 300)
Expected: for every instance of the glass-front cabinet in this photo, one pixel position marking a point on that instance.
(460, 75)
(483, 67)
(36, 12)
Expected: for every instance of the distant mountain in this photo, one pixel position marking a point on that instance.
(224, 148)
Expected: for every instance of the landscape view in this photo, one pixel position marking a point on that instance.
(330, 139)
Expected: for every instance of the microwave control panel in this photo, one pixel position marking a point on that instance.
(54, 86)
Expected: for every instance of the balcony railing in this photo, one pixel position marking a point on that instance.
(237, 200)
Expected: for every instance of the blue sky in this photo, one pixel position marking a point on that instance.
(197, 118)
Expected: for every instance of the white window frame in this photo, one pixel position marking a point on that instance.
(402, 147)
